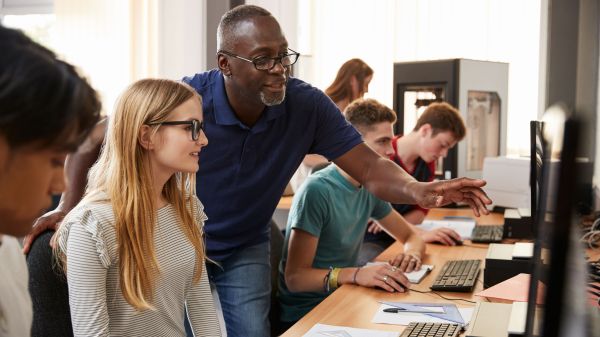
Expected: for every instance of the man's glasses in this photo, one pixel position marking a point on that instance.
(195, 125)
(268, 63)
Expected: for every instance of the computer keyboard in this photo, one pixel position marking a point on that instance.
(431, 330)
(487, 234)
(457, 275)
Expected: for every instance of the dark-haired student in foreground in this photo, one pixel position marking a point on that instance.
(261, 123)
(327, 222)
(46, 111)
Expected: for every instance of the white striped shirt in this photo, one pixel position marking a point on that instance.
(98, 307)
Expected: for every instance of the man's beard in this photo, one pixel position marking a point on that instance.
(272, 99)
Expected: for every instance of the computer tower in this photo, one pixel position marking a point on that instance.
(479, 89)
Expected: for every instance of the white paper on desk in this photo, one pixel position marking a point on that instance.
(323, 330)
(406, 318)
(414, 276)
(464, 228)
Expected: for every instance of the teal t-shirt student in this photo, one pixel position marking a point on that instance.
(329, 207)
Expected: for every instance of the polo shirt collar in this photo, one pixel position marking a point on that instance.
(224, 114)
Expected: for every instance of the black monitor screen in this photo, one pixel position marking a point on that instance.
(554, 217)
(536, 158)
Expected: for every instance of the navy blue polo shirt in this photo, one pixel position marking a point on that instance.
(244, 170)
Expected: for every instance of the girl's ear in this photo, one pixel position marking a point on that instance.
(145, 137)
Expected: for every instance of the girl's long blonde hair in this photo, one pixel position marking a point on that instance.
(122, 176)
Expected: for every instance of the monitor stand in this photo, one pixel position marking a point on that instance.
(518, 223)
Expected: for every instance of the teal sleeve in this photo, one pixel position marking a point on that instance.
(381, 209)
(310, 208)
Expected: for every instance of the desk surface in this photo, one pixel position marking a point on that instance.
(355, 306)
(285, 203)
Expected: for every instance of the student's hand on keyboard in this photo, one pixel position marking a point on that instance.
(384, 276)
(445, 236)
(407, 262)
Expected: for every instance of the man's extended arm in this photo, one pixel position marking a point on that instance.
(389, 182)
(77, 166)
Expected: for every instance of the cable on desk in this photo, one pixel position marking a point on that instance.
(592, 237)
(597, 287)
(442, 296)
(479, 280)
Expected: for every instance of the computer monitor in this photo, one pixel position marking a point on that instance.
(554, 219)
(536, 158)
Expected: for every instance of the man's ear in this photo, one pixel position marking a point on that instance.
(223, 64)
(425, 130)
(145, 137)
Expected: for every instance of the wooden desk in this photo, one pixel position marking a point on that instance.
(285, 203)
(355, 306)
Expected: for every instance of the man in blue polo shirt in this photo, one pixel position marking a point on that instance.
(261, 123)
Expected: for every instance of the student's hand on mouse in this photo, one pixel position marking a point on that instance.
(374, 227)
(406, 262)
(50, 220)
(444, 192)
(384, 276)
(445, 236)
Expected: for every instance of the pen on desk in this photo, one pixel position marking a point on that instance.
(402, 310)
(395, 310)
(457, 217)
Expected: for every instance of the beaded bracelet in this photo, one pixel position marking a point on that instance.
(326, 280)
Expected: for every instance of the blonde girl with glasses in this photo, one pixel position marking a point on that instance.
(133, 248)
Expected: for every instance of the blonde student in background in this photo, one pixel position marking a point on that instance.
(327, 222)
(133, 247)
(350, 83)
(437, 131)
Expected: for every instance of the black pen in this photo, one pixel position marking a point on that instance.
(402, 310)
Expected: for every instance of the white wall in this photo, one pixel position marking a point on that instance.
(181, 31)
(115, 42)
(95, 35)
(286, 12)
(328, 33)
